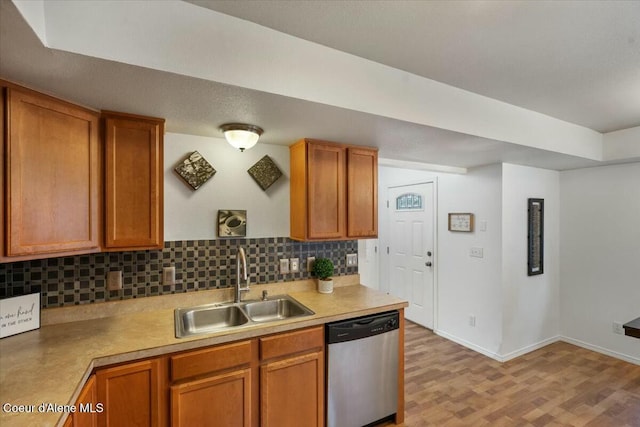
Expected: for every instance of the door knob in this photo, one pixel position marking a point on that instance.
(428, 263)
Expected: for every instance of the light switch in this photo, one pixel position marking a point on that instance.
(169, 275)
(352, 260)
(476, 252)
(284, 266)
(114, 280)
(294, 265)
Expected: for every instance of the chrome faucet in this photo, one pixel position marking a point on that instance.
(241, 264)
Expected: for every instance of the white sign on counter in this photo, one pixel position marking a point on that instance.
(19, 314)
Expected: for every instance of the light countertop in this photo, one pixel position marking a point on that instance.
(51, 364)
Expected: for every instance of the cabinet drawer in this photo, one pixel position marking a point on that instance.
(213, 359)
(290, 343)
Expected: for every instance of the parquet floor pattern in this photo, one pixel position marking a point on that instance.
(559, 385)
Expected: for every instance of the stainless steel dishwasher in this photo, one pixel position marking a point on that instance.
(362, 370)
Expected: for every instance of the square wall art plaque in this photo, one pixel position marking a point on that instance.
(265, 172)
(195, 170)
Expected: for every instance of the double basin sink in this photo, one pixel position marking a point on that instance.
(216, 317)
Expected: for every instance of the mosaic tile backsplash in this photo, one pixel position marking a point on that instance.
(200, 264)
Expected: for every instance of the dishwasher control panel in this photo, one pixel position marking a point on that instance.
(360, 327)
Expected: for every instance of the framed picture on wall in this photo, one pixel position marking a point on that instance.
(535, 239)
(461, 222)
(232, 223)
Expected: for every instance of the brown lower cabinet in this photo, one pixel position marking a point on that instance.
(292, 378)
(222, 399)
(276, 380)
(282, 407)
(87, 408)
(214, 386)
(133, 394)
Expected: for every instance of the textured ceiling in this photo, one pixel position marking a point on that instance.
(196, 106)
(578, 61)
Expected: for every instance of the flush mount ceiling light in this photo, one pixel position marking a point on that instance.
(241, 136)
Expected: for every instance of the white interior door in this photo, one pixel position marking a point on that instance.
(411, 251)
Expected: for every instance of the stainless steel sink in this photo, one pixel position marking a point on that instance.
(216, 317)
(279, 308)
(198, 320)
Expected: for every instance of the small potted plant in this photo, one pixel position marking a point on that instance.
(323, 270)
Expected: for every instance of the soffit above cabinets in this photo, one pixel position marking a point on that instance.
(290, 99)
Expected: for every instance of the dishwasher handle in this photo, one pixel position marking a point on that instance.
(353, 329)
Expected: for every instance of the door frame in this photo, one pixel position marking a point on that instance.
(385, 241)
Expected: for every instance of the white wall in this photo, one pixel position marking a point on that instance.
(191, 215)
(471, 286)
(369, 262)
(622, 144)
(600, 256)
(530, 303)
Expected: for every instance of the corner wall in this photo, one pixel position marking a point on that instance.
(600, 257)
(467, 285)
(531, 303)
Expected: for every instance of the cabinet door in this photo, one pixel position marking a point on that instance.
(326, 191)
(87, 408)
(134, 182)
(219, 400)
(3, 149)
(362, 192)
(131, 394)
(292, 391)
(53, 185)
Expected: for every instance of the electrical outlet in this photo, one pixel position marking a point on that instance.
(476, 252)
(294, 265)
(617, 328)
(472, 320)
(352, 260)
(169, 275)
(114, 280)
(284, 266)
(310, 260)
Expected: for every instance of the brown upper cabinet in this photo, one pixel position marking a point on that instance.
(334, 191)
(52, 184)
(133, 182)
(362, 192)
(67, 189)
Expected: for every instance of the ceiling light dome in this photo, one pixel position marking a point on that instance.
(241, 136)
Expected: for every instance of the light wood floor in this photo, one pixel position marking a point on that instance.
(559, 385)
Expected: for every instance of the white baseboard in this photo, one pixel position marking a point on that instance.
(536, 346)
(530, 348)
(469, 345)
(598, 349)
